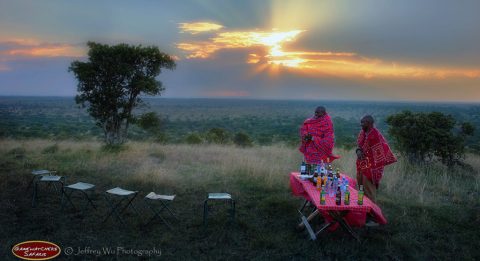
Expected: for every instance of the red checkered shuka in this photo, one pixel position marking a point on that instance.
(377, 155)
(321, 147)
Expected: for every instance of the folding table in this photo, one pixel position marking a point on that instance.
(344, 215)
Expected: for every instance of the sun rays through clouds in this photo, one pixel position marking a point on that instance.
(268, 48)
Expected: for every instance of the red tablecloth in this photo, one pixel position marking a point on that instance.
(357, 213)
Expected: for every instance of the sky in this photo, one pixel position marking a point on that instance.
(407, 50)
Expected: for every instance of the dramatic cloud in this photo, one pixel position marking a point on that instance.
(273, 49)
(199, 27)
(233, 40)
(313, 63)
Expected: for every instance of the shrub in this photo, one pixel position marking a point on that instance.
(194, 138)
(218, 135)
(243, 140)
(427, 136)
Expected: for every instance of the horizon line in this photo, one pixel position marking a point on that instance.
(264, 99)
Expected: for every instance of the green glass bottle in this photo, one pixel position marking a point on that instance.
(360, 196)
(323, 195)
(346, 196)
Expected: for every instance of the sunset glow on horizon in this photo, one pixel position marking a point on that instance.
(257, 49)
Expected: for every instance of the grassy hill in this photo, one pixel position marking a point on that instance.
(433, 212)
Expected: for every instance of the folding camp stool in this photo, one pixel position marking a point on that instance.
(38, 174)
(164, 199)
(122, 195)
(218, 196)
(48, 179)
(82, 188)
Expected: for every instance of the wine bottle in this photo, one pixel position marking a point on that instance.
(338, 197)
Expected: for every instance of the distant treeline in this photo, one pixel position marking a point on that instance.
(264, 121)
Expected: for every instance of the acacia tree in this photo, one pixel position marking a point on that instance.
(112, 80)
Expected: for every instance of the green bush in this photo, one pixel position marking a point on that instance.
(429, 136)
(242, 139)
(218, 135)
(194, 138)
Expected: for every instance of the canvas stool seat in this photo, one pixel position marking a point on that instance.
(218, 196)
(82, 188)
(38, 173)
(164, 200)
(119, 200)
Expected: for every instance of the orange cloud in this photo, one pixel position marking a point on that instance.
(20, 41)
(199, 27)
(199, 50)
(50, 51)
(15, 47)
(338, 64)
(375, 68)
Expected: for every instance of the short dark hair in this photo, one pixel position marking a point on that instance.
(368, 118)
(320, 108)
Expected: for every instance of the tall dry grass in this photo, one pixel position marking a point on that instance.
(206, 167)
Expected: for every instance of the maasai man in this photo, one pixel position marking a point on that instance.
(317, 138)
(373, 154)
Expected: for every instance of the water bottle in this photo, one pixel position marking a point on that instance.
(331, 192)
(343, 187)
(303, 168)
(322, 168)
(335, 183)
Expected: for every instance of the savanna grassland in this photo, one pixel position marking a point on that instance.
(433, 212)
